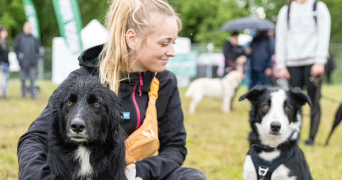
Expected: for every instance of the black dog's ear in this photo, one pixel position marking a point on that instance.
(300, 97)
(254, 93)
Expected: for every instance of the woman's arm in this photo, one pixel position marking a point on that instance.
(172, 137)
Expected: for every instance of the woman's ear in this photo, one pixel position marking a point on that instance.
(131, 38)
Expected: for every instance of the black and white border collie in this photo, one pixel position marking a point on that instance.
(85, 141)
(276, 123)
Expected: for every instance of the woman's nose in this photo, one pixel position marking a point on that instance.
(171, 51)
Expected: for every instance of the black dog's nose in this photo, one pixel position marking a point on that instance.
(77, 125)
(275, 126)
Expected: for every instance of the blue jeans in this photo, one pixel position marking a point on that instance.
(5, 71)
(186, 174)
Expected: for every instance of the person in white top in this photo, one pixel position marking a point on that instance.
(302, 43)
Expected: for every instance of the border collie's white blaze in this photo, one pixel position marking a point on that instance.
(83, 155)
(276, 114)
(275, 122)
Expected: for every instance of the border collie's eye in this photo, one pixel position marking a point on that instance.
(69, 103)
(97, 104)
(266, 107)
(287, 109)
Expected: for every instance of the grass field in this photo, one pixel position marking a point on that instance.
(216, 142)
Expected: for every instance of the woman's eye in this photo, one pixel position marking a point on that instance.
(266, 107)
(97, 104)
(69, 103)
(287, 109)
(164, 45)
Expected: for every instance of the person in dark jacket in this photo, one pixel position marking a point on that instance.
(139, 46)
(27, 51)
(261, 51)
(4, 63)
(233, 53)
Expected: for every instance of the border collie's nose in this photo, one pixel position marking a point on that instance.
(77, 125)
(275, 126)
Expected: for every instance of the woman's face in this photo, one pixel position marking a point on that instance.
(3, 34)
(154, 54)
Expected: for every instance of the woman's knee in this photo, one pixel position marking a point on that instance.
(187, 174)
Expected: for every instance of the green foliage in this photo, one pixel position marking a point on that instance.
(202, 19)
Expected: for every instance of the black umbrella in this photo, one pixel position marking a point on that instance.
(338, 119)
(248, 23)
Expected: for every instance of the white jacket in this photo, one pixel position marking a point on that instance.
(306, 42)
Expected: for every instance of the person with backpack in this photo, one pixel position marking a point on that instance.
(302, 43)
(27, 51)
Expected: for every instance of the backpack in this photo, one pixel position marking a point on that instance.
(314, 9)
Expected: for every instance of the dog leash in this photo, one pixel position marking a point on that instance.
(317, 82)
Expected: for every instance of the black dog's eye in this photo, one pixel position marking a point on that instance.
(287, 108)
(69, 103)
(97, 104)
(266, 107)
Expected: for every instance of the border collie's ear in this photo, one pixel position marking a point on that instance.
(253, 93)
(300, 97)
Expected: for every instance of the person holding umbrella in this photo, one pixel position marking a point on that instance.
(302, 43)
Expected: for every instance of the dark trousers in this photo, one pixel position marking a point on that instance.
(259, 78)
(301, 77)
(28, 73)
(186, 174)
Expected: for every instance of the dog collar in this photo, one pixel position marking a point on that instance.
(259, 148)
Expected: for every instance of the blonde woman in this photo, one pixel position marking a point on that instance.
(142, 34)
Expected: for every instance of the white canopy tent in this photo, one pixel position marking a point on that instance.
(64, 61)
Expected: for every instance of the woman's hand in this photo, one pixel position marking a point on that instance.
(248, 51)
(317, 69)
(284, 73)
(241, 60)
(268, 72)
(130, 167)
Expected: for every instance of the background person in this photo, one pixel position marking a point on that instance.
(27, 51)
(233, 53)
(4, 63)
(302, 43)
(142, 34)
(261, 52)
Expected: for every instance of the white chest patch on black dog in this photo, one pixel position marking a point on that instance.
(83, 155)
(282, 172)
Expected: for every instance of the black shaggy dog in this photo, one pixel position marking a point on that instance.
(276, 123)
(85, 140)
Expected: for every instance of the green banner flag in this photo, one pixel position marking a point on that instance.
(70, 23)
(32, 18)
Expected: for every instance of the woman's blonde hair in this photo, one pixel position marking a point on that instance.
(122, 16)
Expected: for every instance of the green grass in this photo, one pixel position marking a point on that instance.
(216, 142)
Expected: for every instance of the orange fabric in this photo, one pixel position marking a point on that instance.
(144, 142)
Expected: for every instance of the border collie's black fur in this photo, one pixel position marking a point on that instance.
(85, 139)
(276, 124)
